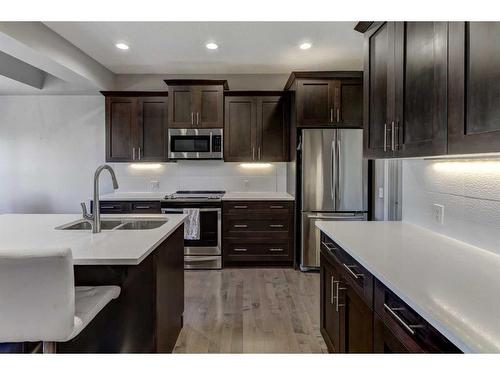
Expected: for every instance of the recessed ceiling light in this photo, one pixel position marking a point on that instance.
(211, 45)
(305, 45)
(121, 46)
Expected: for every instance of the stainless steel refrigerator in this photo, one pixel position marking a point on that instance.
(334, 184)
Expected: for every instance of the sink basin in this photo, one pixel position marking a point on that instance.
(116, 224)
(141, 224)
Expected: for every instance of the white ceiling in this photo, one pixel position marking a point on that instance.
(244, 47)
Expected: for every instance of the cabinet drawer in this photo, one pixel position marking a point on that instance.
(269, 225)
(246, 207)
(354, 274)
(256, 250)
(407, 325)
(108, 207)
(153, 207)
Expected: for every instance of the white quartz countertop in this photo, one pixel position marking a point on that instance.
(453, 285)
(127, 247)
(134, 196)
(257, 196)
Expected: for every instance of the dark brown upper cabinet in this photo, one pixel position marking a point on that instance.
(327, 98)
(196, 103)
(474, 88)
(405, 89)
(256, 127)
(136, 124)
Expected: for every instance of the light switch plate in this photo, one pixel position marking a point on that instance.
(438, 213)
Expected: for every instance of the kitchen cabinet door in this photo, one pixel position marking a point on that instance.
(357, 320)
(121, 123)
(330, 308)
(348, 102)
(240, 129)
(209, 106)
(421, 64)
(384, 341)
(474, 89)
(314, 102)
(272, 129)
(152, 128)
(379, 89)
(181, 107)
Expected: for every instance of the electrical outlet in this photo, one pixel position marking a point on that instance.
(381, 192)
(438, 213)
(245, 184)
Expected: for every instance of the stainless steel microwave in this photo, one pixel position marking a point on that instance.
(195, 144)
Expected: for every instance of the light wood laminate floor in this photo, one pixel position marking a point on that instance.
(251, 311)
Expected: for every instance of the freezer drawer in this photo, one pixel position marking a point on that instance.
(311, 235)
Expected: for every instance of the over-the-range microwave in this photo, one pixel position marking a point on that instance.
(195, 144)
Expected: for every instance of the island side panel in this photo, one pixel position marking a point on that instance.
(169, 291)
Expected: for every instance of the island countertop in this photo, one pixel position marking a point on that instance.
(451, 284)
(110, 247)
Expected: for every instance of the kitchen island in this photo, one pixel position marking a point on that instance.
(147, 264)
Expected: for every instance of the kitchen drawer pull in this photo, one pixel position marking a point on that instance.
(409, 327)
(354, 274)
(276, 249)
(109, 207)
(142, 207)
(241, 249)
(240, 226)
(275, 207)
(240, 207)
(328, 247)
(276, 225)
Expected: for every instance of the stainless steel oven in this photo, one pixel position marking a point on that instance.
(205, 252)
(195, 144)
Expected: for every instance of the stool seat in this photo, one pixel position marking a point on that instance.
(89, 301)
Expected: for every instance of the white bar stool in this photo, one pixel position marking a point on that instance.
(39, 300)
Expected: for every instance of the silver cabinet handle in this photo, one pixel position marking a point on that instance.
(276, 225)
(331, 290)
(197, 118)
(338, 115)
(108, 207)
(192, 118)
(331, 115)
(409, 327)
(385, 137)
(139, 153)
(241, 249)
(253, 153)
(240, 226)
(142, 207)
(276, 249)
(393, 138)
(133, 153)
(240, 207)
(328, 247)
(275, 207)
(258, 152)
(354, 274)
(337, 289)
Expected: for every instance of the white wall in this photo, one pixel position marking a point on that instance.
(469, 191)
(51, 145)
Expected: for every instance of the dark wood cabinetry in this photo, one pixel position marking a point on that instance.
(359, 314)
(196, 103)
(327, 98)
(474, 88)
(136, 126)
(257, 233)
(129, 207)
(256, 128)
(406, 89)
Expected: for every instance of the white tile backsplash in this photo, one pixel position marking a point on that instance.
(469, 191)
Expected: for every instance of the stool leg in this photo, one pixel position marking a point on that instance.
(49, 347)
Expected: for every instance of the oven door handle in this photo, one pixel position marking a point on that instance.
(180, 210)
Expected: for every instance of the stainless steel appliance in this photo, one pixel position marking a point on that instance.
(206, 252)
(334, 184)
(195, 144)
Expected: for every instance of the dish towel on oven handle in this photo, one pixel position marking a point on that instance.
(192, 224)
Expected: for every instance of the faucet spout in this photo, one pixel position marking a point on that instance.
(96, 215)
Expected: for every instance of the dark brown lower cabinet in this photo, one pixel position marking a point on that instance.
(129, 207)
(359, 314)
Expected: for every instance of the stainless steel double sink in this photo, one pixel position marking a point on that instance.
(116, 224)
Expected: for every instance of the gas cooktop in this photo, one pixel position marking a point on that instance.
(196, 195)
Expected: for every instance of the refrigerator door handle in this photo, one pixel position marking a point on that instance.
(332, 153)
(337, 177)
